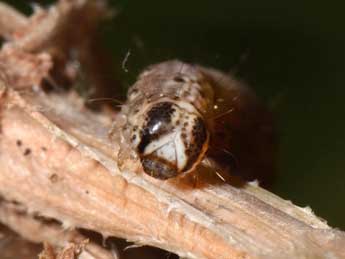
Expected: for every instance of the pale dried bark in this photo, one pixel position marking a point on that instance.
(38, 231)
(57, 161)
(48, 28)
(10, 21)
(65, 168)
(54, 33)
(14, 246)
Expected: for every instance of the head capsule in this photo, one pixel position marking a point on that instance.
(172, 140)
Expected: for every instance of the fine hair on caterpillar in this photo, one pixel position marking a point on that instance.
(177, 115)
(105, 99)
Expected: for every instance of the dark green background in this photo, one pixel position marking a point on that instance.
(295, 62)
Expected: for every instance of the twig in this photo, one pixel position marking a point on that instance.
(46, 28)
(10, 21)
(71, 175)
(56, 160)
(37, 231)
(67, 32)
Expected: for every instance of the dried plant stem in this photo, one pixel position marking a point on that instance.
(71, 174)
(38, 231)
(10, 20)
(57, 161)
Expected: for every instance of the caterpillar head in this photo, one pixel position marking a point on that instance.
(172, 140)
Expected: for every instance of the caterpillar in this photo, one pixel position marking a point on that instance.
(177, 115)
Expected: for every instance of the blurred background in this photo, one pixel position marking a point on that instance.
(291, 52)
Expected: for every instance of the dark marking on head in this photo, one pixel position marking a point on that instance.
(19, 142)
(144, 141)
(158, 122)
(158, 168)
(199, 138)
(44, 149)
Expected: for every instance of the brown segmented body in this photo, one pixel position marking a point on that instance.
(172, 118)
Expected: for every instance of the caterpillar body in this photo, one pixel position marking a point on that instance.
(176, 114)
